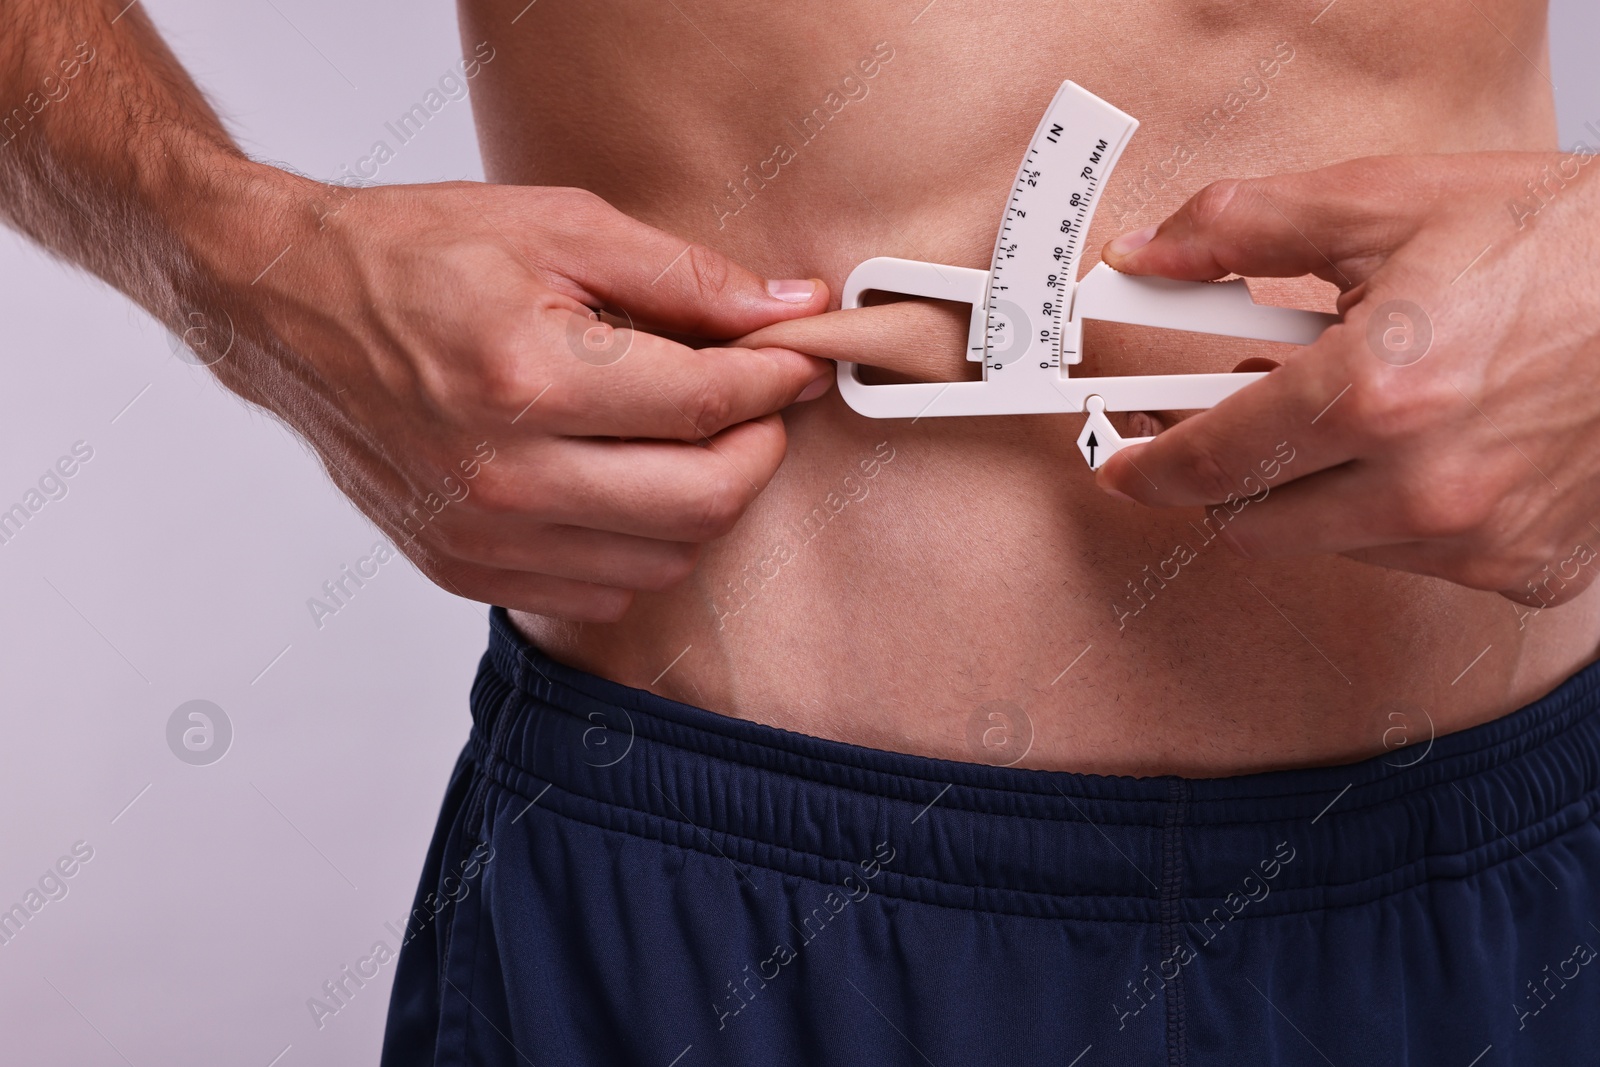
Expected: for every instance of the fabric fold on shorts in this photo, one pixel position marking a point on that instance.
(1034, 842)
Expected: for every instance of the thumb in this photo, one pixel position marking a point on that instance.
(1339, 223)
(665, 281)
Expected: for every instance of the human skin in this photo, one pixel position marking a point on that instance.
(1406, 469)
(982, 561)
(433, 344)
(976, 561)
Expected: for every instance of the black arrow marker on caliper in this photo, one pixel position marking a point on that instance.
(1093, 444)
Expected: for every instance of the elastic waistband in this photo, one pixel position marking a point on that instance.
(1042, 843)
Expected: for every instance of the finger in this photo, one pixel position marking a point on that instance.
(598, 557)
(540, 594)
(1337, 510)
(1268, 433)
(648, 386)
(600, 592)
(1339, 223)
(925, 340)
(1521, 580)
(1464, 564)
(1545, 591)
(662, 490)
(665, 280)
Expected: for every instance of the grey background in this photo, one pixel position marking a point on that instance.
(177, 568)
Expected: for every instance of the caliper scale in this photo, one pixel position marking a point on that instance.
(1028, 308)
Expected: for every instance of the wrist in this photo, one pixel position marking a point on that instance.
(234, 233)
(231, 219)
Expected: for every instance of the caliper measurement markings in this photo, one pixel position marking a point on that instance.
(1034, 267)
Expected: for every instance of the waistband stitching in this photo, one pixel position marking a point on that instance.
(1411, 876)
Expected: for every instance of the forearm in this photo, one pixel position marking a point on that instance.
(110, 157)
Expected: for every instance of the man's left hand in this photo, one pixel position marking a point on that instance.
(1450, 424)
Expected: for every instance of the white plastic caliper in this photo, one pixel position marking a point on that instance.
(1028, 308)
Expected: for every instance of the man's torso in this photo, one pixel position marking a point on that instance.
(899, 585)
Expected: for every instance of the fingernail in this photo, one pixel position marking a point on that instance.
(1131, 242)
(816, 388)
(792, 290)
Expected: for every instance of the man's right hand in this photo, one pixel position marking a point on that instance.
(435, 344)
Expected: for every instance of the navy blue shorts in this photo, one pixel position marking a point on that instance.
(618, 879)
